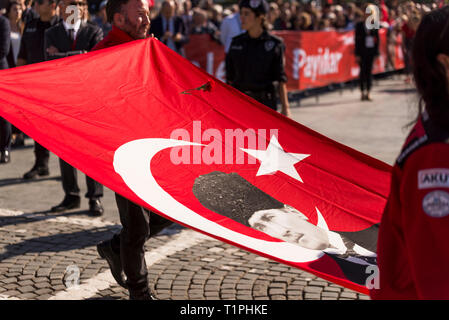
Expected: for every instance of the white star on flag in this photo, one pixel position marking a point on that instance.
(276, 159)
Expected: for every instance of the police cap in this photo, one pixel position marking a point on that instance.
(258, 6)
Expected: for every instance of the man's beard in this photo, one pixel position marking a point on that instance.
(134, 31)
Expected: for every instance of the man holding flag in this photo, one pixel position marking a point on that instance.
(125, 252)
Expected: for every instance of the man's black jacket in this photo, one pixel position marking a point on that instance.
(57, 36)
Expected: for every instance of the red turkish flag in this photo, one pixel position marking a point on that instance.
(151, 126)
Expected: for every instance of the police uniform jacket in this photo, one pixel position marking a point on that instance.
(32, 43)
(254, 64)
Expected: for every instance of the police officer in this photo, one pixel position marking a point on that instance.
(255, 60)
(32, 51)
(125, 252)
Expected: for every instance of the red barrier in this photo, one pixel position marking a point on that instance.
(313, 59)
(207, 54)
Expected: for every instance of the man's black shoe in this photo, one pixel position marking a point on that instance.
(69, 202)
(36, 171)
(95, 208)
(145, 295)
(113, 259)
(5, 156)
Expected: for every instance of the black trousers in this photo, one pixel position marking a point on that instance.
(70, 183)
(42, 155)
(139, 225)
(408, 44)
(267, 98)
(366, 72)
(5, 135)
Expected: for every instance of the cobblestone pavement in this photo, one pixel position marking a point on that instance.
(42, 254)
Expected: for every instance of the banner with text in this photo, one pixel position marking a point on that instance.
(313, 59)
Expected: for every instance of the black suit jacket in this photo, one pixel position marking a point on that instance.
(5, 42)
(10, 58)
(360, 35)
(87, 37)
(158, 30)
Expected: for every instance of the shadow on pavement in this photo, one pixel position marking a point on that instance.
(399, 91)
(171, 230)
(311, 104)
(60, 242)
(14, 181)
(38, 216)
(105, 298)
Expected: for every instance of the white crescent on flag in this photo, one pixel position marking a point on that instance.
(132, 162)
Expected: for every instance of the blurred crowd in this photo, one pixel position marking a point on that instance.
(205, 16)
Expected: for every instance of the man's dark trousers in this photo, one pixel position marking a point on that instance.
(70, 182)
(139, 225)
(366, 71)
(42, 155)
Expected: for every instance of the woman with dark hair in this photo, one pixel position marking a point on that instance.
(14, 15)
(255, 62)
(413, 251)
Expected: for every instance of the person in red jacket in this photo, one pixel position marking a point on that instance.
(413, 245)
(125, 252)
(126, 26)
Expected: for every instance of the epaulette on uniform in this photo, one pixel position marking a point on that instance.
(423, 133)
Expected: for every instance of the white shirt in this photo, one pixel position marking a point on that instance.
(230, 27)
(75, 26)
(15, 42)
